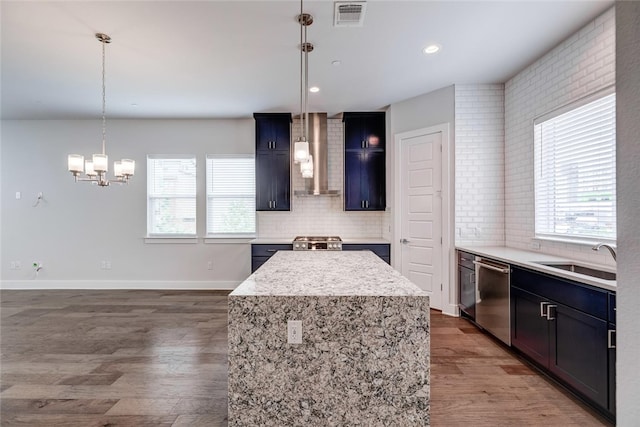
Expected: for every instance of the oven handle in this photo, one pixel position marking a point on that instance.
(492, 267)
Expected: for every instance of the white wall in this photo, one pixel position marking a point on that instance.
(581, 65)
(321, 215)
(479, 164)
(78, 225)
(628, 178)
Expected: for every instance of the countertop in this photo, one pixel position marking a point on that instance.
(287, 241)
(530, 260)
(326, 273)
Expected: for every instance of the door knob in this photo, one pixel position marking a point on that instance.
(404, 241)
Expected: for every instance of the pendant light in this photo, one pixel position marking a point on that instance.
(96, 168)
(301, 146)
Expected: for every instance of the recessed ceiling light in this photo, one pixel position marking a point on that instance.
(336, 63)
(432, 48)
(314, 89)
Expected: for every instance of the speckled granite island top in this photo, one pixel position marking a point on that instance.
(364, 357)
(326, 273)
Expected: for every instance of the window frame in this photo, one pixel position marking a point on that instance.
(171, 237)
(554, 236)
(211, 237)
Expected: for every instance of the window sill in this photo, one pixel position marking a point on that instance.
(171, 240)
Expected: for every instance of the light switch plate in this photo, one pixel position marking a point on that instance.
(294, 331)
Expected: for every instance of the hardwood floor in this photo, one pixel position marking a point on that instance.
(159, 358)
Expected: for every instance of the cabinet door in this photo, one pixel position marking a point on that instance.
(273, 131)
(364, 130)
(264, 194)
(281, 181)
(612, 370)
(353, 200)
(578, 351)
(373, 180)
(529, 330)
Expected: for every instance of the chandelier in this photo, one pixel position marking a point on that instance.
(96, 169)
(301, 146)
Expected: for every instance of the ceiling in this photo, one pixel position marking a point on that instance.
(228, 59)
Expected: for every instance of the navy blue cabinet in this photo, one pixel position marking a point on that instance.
(260, 253)
(562, 326)
(383, 250)
(273, 161)
(611, 344)
(364, 161)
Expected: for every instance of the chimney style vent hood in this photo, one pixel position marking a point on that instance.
(319, 149)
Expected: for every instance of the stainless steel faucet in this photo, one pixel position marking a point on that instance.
(610, 248)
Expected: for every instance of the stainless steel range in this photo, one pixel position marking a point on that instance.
(317, 243)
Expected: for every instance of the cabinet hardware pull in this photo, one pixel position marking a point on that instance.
(275, 203)
(274, 144)
(366, 204)
(549, 315)
(270, 204)
(610, 340)
(543, 312)
(362, 204)
(272, 250)
(491, 267)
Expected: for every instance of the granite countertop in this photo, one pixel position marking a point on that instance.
(348, 240)
(327, 273)
(530, 260)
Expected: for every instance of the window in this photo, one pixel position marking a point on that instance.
(231, 196)
(575, 171)
(171, 196)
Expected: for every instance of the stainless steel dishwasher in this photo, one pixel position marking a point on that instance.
(493, 307)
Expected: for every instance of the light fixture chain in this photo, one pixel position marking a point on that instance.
(306, 85)
(104, 101)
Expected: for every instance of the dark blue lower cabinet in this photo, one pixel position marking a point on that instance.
(570, 343)
(578, 352)
(612, 367)
(260, 253)
(383, 250)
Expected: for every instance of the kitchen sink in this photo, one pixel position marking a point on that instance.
(581, 269)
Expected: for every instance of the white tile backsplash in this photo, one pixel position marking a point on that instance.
(479, 164)
(321, 215)
(582, 64)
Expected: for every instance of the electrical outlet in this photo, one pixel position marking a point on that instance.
(210, 265)
(18, 265)
(105, 265)
(294, 331)
(18, 195)
(12, 265)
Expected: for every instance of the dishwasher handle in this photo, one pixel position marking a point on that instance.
(503, 270)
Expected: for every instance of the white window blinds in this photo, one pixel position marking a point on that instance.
(231, 195)
(171, 196)
(575, 172)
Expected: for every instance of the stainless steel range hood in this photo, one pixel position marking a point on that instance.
(319, 149)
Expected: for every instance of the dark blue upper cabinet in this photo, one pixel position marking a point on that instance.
(273, 131)
(273, 161)
(364, 161)
(364, 130)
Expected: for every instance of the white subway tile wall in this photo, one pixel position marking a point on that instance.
(479, 164)
(579, 66)
(321, 215)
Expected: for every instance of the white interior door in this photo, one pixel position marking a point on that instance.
(421, 213)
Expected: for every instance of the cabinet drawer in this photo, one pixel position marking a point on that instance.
(581, 297)
(268, 250)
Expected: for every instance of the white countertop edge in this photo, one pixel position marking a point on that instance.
(528, 259)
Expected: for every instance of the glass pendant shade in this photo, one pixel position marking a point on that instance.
(117, 168)
(76, 163)
(88, 168)
(100, 162)
(301, 151)
(128, 167)
(307, 168)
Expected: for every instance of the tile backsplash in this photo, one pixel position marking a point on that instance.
(321, 215)
(479, 157)
(579, 66)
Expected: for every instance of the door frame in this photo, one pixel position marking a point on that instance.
(449, 292)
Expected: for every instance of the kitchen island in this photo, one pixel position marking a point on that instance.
(364, 352)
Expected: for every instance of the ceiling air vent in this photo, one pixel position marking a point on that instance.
(349, 13)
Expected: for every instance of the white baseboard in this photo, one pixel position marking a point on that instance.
(451, 310)
(117, 284)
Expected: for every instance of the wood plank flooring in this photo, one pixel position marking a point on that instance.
(159, 358)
